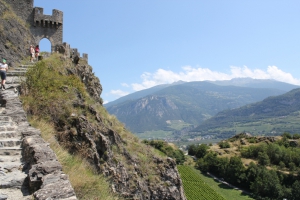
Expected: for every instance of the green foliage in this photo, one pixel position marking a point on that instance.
(267, 184)
(198, 150)
(287, 135)
(49, 88)
(264, 183)
(251, 140)
(296, 136)
(168, 150)
(273, 153)
(263, 158)
(224, 145)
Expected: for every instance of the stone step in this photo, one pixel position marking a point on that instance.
(20, 69)
(15, 194)
(10, 159)
(7, 123)
(13, 127)
(14, 179)
(14, 79)
(15, 73)
(8, 167)
(5, 118)
(10, 142)
(10, 134)
(10, 151)
(26, 66)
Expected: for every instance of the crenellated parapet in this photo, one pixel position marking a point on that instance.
(69, 52)
(45, 26)
(47, 21)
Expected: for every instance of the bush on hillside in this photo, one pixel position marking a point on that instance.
(164, 147)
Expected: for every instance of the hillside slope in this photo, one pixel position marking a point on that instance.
(276, 109)
(191, 102)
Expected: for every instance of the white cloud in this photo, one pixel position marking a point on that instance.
(189, 73)
(119, 93)
(125, 85)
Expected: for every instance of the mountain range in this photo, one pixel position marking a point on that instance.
(192, 103)
(274, 115)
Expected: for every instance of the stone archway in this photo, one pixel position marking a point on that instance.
(45, 45)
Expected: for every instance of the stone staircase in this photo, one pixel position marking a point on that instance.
(23, 152)
(15, 75)
(13, 184)
(13, 177)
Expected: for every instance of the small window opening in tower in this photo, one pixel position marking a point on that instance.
(45, 45)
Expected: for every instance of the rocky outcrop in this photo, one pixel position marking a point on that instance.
(127, 172)
(92, 83)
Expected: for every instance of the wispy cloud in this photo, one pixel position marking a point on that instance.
(119, 93)
(125, 85)
(188, 73)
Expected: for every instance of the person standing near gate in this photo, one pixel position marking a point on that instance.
(32, 53)
(37, 52)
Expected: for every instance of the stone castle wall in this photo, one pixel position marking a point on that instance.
(44, 26)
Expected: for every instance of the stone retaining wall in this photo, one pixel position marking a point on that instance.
(45, 176)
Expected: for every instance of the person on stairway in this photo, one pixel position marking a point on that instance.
(3, 70)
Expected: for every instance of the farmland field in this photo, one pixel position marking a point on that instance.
(194, 180)
(194, 187)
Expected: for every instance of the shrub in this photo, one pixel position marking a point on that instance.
(224, 145)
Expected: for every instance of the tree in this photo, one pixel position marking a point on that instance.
(192, 149)
(263, 159)
(267, 184)
(224, 145)
(296, 190)
(201, 151)
(287, 135)
(281, 165)
(235, 170)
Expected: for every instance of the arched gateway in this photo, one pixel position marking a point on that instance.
(43, 26)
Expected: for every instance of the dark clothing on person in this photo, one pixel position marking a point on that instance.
(3, 75)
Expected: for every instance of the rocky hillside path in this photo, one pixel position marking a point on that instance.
(13, 182)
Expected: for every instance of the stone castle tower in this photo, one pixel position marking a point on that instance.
(41, 26)
(44, 26)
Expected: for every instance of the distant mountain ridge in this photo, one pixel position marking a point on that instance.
(190, 102)
(280, 106)
(140, 94)
(257, 83)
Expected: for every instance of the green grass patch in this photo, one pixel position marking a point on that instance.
(154, 135)
(194, 187)
(223, 189)
(177, 124)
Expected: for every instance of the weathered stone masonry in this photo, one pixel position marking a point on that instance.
(44, 26)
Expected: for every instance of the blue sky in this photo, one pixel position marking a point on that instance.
(137, 44)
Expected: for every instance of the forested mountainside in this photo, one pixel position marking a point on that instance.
(65, 97)
(191, 103)
(268, 167)
(273, 115)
